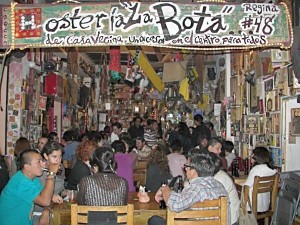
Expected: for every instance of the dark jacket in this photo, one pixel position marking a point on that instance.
(135, 132)
(202, 129)
(79, 171)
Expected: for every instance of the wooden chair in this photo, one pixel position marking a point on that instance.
(263, 185)
(139, 173)
(209, 212)
(141, 165)
(139, 176)
(79, 213)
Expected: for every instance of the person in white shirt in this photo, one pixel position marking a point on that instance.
(263, 167)
(117, 130)
(229, 186)
(176, 160)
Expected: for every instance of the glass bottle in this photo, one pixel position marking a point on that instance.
(233, 165)
(162, 203)
(246, 166)
(180, 184)
(237, 167)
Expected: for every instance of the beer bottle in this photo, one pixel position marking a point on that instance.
(162, 203)
(237, 168)
(246, 166)
(180, 184)
(233, 165)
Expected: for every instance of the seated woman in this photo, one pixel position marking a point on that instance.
(82, 167)
(104, 188)
(158, 170)
(51, 153)
(125, 163)
(130, 148)
(263, 167)
(22, 144)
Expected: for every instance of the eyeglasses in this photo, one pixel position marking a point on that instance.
(186, 166)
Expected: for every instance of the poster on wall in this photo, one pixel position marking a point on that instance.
(295, 124)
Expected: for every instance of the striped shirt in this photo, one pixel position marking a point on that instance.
(150, 137)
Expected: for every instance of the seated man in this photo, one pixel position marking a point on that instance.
(24, 189)
(202, 186)
(142, 149)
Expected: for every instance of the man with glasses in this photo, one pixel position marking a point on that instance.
(199, 170)
(24, 189)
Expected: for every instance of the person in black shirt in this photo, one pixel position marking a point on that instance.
(200, 129)
(136, 130)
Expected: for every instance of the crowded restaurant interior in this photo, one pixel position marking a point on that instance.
(149, 112)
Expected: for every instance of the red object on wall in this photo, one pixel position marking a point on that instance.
(53, 85)
(115, 59)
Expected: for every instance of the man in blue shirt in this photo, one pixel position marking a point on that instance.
(24, 189)
(202, 186)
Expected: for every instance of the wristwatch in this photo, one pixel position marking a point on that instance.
(51, 174)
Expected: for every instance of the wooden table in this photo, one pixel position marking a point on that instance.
(239, 182)
(61, 213)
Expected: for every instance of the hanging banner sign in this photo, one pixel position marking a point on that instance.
(163, 24)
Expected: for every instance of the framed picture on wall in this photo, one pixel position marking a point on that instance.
(253, 99)
(295, 122)
(254, 124)
(269, 84)
(278, 55)
(270, 101)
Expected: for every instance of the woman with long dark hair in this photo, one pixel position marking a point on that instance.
(158, 170)
(103, 188)
(263, 167)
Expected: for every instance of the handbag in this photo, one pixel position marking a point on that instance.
(246, 218)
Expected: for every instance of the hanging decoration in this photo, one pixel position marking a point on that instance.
(249, 77)
(115, 64)
(130, 74)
